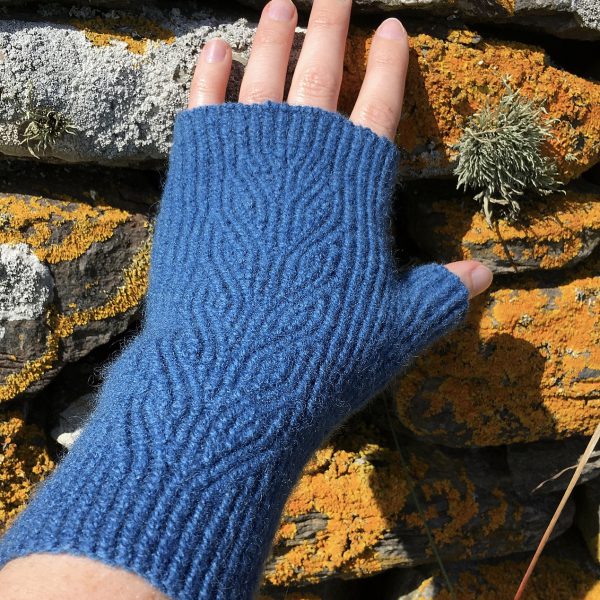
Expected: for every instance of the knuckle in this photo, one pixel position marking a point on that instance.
(385, 58)
(323, 18)
(379, 114)
(203, 85)
(256, 93)
(316, 82)
(268, 37)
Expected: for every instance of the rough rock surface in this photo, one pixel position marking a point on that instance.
(545, 467)
(453, 72)
(588, 516)
(26, 284)
(118, 79)
(24, 461)
(561, 574)
(352, 513)
(97, 256)
(565, 18)
(121, 79)
(553, 232)
(524, 367)
(579, 19)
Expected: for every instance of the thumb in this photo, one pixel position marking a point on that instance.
(431, 300)
(475, 276)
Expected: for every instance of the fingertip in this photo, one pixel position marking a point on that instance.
(475, 276)
(211, 74)
(215, 50)
(392, 29)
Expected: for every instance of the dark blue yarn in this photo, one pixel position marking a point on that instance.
(274, 312)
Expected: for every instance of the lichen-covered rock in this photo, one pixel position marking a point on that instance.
(578, 19)
(525, 366)
(452, 73)
(555, 578)
(26, 284)
(352, 513)
(588, 516)
(553, 232)
(121, 78)
(96, 255)
(24, 462)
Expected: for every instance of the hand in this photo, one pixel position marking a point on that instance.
(318, 76)
(179, 477)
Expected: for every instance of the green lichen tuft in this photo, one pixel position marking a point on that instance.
(500, 153)
(43, 127)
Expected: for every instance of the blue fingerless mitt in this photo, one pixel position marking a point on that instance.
(274, 312)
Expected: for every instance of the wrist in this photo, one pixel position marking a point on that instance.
(159, 479)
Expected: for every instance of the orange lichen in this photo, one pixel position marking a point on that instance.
(362, 494)
(448, 81)
(563, 222)
(507, 5)
(337, 484)
(136, 32)
(27, 219)
(525, 366)
(553, 579)
(128, 296)
(24, 462)
(497, 516)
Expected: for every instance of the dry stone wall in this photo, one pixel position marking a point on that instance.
(475, 443)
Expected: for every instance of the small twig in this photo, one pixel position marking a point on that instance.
(582, 462)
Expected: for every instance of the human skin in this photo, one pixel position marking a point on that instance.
(316, 82)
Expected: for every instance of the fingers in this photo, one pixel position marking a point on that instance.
(475, 276)
(379, 102)
(264, 76)
(211, 75)
(318, 73)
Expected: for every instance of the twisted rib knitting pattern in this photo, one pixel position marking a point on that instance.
(274, 312)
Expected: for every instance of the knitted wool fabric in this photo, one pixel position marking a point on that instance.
(274, 312)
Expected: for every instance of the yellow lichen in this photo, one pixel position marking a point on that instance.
(136, 32)
(448, 81)
(339, 484)
(525, 366)
(553, 579)
(24, 462)
(558, 221)
(62, 325)
(364, 495)
(27, 219)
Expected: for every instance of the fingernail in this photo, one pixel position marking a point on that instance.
(281, 10)
(481, 278)
(214, 50)
(391, 29)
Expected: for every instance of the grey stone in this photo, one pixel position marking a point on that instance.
(588, 516)
(551, 232)
(97, 256)
(578, 19)
(545, 467)
(72, 420)
(563, 565)
(122, 103)
(25, 283)
(473, 509)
